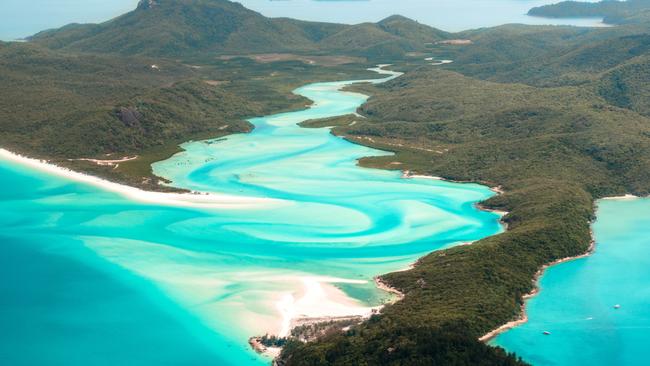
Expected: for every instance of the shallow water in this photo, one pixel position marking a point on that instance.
(90, 276)
(577, 300)
(19, 18)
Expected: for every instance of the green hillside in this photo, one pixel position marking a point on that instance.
(545, 56)
(554, 151)
(559, 122)
(168, 72)
(176, 28)
(172, 28)
(628, 86)
(60, 106)
(410, 29)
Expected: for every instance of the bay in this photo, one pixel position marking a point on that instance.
(89, 274)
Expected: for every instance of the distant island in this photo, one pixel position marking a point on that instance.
(612, 11)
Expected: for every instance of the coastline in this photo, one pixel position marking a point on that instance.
(192, 199)
(386, 287)
(296, 321)
(522, 318)
(618, 198)
(320, 296)
(320, 300)
(318, 307)
(498, 190)
(406, 174)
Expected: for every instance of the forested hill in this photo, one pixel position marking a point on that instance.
(613, 12)
(184, 27)
(558, 117)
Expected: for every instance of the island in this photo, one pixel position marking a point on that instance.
(612, 11)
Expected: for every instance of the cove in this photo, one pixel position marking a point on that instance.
(578, 299)
(91, 276)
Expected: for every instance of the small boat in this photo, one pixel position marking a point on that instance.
(617, 306)
(547, 332)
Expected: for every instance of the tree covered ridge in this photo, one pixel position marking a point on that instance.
(61, 106)
(556, 124)
(181, 28)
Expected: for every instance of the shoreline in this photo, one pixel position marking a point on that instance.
(522, 318)
(498, 190)
(319, 299)
(620, 198)
(297, 321)
(318, 303)
(388, 288)
(192, 199)
(321, 296)
(319, 292)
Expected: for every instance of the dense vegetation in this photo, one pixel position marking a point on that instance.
(398, 345)
(558, 122)
(613, 11)
(174, 28)
(171, 71)
(67, 106)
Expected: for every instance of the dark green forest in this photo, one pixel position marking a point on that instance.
(556, 117)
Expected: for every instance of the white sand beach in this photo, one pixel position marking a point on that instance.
(415, 176)
(319, 299)
(192, 199)
(625, 197)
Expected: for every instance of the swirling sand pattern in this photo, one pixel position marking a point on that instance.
(97, 273)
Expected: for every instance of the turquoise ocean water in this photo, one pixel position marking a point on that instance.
(578, 299)
(90, 277)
